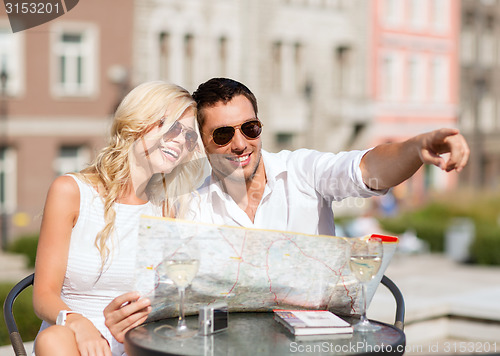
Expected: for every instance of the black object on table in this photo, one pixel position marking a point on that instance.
(259, 334)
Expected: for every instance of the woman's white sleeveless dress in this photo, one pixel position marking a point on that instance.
(85, 288)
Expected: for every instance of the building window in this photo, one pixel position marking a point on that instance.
(343, 69)
(11, 60)
(223, 56)
(487, 43)
(468, 39)
(164, 44)
(8, 180)
(415, 79)
(71, 159)
(467, 44)
(75, 55)
(487, 109)
(189, 59)
(298, 67)
(466, 119)
(277, 65)
(439, 80)
(416, 11)
(284, 140)
(392, 12)
(440, 13)
(390, 80)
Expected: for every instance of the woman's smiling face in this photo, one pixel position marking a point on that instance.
(160, 150)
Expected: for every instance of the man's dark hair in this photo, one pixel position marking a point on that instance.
(220, 90)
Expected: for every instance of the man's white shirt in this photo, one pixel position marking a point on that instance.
(301, 186)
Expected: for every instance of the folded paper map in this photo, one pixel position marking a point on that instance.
(250, 269)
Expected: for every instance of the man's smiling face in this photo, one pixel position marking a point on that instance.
(241, 157)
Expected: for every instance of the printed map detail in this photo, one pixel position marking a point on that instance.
(250, 269)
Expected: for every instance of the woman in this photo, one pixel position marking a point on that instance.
(90, 222)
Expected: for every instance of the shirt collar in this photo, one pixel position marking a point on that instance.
(273, 166)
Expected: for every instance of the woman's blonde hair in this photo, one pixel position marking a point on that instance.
(139, 111)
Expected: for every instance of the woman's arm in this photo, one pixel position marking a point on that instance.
(60, 215)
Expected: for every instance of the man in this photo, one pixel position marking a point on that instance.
(293, 191)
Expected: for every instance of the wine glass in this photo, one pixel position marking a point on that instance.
(365, 259)
(181, 266)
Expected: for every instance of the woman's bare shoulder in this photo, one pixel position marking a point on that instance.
(64, 186)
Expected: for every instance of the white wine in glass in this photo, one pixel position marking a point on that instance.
(181, 267)
(365, 267)
(365, 260)
(181, 272)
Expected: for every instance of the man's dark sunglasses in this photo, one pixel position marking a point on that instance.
(250, 129)
(189, 134)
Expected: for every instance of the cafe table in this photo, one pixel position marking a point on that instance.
(259, 334)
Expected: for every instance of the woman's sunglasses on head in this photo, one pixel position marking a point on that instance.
(250, 129)
(176, 129)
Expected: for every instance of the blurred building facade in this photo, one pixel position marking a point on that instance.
(414, 62)
(304, 59)
(61, 83)
(480, 91)
(329, 74)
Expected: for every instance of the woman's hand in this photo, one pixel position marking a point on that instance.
(89, 340)
(126, 312)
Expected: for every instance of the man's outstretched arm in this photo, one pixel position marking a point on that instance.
(389, 164)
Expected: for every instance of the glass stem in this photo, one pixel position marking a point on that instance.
(182, 321)
(363, 294)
